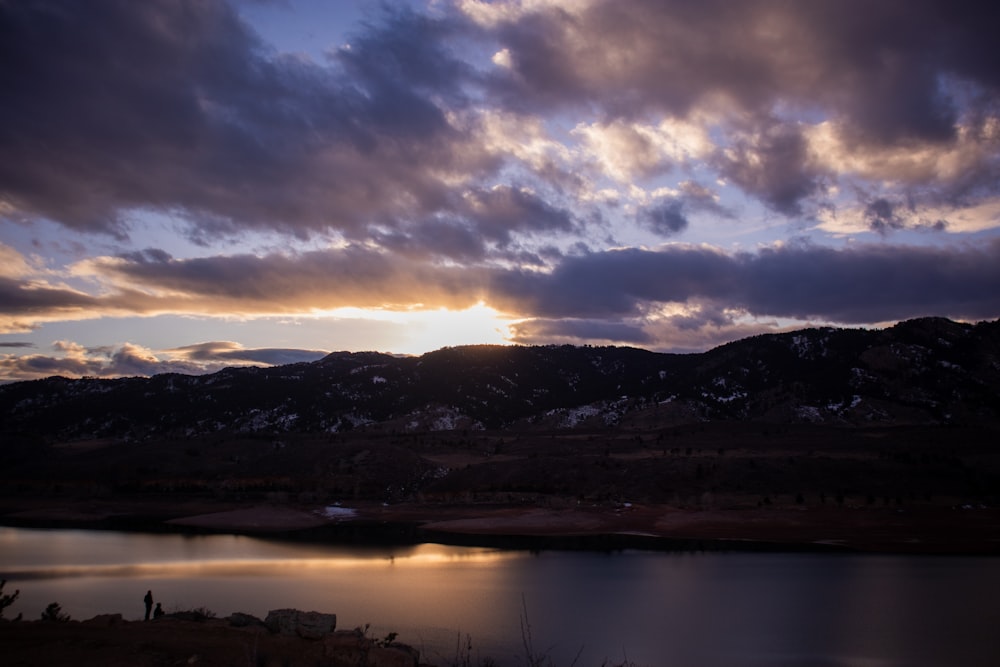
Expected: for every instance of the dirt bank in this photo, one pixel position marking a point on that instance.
(934, 530)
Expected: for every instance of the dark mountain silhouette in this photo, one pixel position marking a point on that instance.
(926, 371)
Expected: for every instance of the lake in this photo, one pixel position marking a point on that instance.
(657, 609)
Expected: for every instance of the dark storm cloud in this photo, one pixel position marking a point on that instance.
(669, 216)
(154, 283)
(892, 73)
(401, 59)
(934, 226)
(503, 209)
(774, 167)
(873, 283)
(619, 55)
(177, 106)
(146, 255)
(281, 283)
(881, 216)
(615, 283)
(434, 238)
(884, 216)
(17, 344)
(863, 283)
(480, 222)
(22, 298)
(541, 331)
(701, 326)
(230, 352)
(860, 284)
(877, 64)
(666, 218)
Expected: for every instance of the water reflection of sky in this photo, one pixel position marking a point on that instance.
(430, 591)
(220, 556)
(714, 610)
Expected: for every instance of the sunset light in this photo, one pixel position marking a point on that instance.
(428, 330)
(274, 181)
(426, 333)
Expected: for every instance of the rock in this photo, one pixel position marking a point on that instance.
(397, 655)
(346, 648)
(241, 620)
(351, 648)
(196, 615)
(104, 620)
(305, 624)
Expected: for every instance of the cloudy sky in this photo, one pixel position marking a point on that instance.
(186, 185)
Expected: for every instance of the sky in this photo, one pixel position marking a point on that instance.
(188, 185)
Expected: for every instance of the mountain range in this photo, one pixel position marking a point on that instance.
(923, 371)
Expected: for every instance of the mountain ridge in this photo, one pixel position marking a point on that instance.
(922, 371)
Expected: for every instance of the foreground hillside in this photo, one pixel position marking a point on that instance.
(903, 489)
(191, 638)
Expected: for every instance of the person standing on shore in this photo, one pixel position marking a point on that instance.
(149, 603)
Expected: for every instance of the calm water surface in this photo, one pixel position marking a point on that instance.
(656, 609)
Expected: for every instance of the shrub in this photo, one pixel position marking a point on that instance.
(6, 600)
(200, 614)
(54, 613)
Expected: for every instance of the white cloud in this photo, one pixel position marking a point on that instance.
(627, 151)
(852, 219)
(502, 58)
(491, 14)
(910, 163)
(12, 263)
(522, 137)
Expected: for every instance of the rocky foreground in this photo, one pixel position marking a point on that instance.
(286, 638)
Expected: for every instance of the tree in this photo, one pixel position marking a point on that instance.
(54, 612)
(6, 600)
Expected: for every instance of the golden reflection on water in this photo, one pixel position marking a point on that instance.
(420, 557)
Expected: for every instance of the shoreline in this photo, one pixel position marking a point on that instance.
(917, 531)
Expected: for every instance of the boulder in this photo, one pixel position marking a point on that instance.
(305, 624)
(346, 648)
(396, 655)
(104, 620)
(354, 649)
(240, 620)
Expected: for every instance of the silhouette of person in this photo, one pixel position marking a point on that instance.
(149, 603)
(158, 611)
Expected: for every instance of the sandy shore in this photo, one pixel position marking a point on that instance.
(944, 531)
(254, 519)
